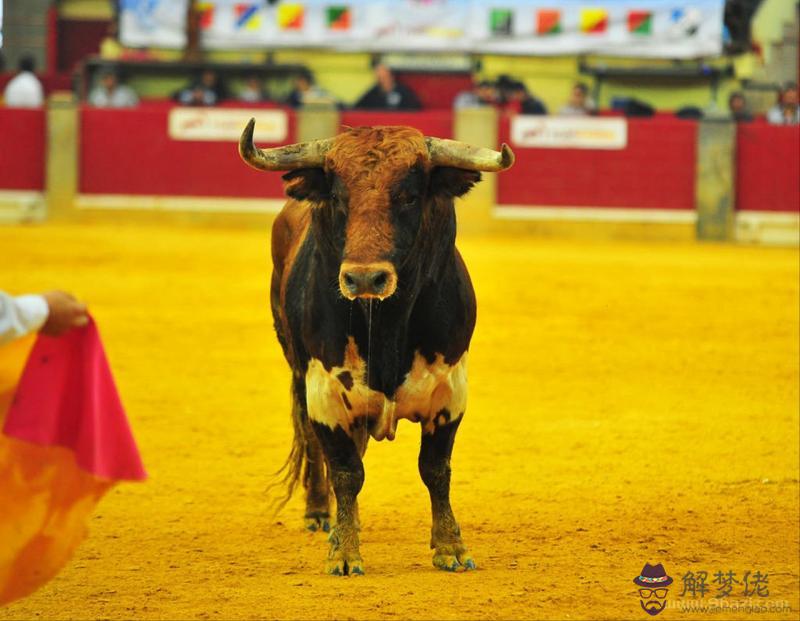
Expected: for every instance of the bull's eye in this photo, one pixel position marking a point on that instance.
(409, 203)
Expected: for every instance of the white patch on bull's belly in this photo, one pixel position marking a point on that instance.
(426, 391)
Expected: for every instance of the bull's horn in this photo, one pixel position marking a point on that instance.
(462, 155)
(291, 157)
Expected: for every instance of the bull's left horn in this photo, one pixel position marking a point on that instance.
(291, 157)
(462, 155)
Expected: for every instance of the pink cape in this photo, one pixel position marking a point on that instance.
(67, 397)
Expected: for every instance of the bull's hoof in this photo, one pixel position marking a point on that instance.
(318, 521)
(453, 557)
(341, 562)
(353, 566)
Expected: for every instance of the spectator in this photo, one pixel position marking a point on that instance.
(737, 105)
(579, 104)
(786, 111)
(206, 90)
(388, 93)
(52, 313)
(516, 98)
(253, 91)
(24, 90)
(306, 93)
(484, 93)
(109, 93)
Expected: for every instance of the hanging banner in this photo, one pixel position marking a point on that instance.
(223, 124)
(647, 28)
(545, 132)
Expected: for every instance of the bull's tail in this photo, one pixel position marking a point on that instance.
(292, 472)
(305, 463)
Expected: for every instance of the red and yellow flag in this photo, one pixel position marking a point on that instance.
(64, 442)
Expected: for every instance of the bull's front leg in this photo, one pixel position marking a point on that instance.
(346, 472)
(434, 467)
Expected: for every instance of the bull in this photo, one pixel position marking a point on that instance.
(374, 310)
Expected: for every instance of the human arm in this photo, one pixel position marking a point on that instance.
(52, 313)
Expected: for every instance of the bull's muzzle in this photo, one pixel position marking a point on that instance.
(367, 280)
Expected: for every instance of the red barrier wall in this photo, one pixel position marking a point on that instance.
(438, 123)
(656, 170)
(130, 152)
(768, 163)
(435, 90)
(22, 149)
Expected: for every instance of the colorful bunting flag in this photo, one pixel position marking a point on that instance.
(64, 442)
(338, 18)
(640, 22)
(548, 22)
(248, 16)
(501, 22)
(291, 16)
(206, 10)
(594, 21)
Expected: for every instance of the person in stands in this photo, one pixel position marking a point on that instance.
(388, 93)
(483, 93)
(24, 90)
(109, 93)
(206, 90)
(737, 105)
(579, 104)
(253, 90)
(786, 111)
(516, 99)
(306, 93)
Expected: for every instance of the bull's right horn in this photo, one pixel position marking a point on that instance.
(462, 155)
(290, 157)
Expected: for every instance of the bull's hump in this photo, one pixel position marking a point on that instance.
(432, 394)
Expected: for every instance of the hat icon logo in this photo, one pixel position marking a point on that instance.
(653, 583)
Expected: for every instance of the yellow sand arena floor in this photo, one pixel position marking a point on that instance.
(628, 403)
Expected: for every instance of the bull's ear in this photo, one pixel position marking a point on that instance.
(306, 184)
(452, 182)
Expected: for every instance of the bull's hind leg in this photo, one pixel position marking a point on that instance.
(434, 466)
(315, 481)
(315, 477)
(346, 473)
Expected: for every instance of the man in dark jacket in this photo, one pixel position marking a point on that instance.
(388, 94)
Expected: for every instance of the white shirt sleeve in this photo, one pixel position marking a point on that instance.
(21, 315)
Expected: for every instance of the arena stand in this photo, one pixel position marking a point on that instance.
(127, 161)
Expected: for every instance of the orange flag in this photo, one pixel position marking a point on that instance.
(64, 442)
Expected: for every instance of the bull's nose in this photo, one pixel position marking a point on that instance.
(369, 282)
(372, 280)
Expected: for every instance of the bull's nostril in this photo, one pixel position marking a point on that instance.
(349, 281)
(379, 280)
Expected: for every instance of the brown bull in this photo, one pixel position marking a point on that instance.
(374, 310)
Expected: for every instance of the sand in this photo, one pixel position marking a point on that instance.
(629, 403)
